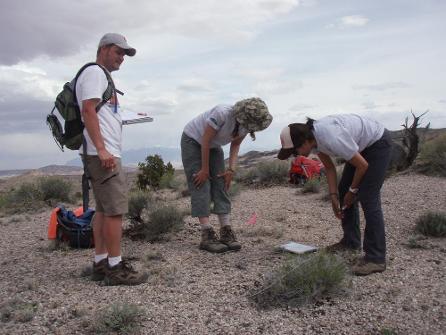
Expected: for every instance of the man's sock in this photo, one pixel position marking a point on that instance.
(98, 258)
(205, 226)
(224, 220)
(113, 261)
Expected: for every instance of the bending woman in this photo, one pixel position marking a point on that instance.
(366, 146)
(204, 165)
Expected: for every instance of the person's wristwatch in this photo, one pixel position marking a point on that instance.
(353, 190)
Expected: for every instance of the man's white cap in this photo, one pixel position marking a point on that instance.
(118, 40)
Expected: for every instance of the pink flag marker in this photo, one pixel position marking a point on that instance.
(253, 219)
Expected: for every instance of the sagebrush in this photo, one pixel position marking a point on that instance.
(265, 173)
(158, 222)
(432, 224)
(432, 157)
(301, 280)
(123, 318)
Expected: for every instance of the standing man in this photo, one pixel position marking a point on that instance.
(102, 159)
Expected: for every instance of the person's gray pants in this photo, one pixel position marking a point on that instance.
(213, 190)
(369, 196)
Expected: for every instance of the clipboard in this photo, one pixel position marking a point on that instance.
(130, 117)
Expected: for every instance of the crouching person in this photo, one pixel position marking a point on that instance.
(204, 166)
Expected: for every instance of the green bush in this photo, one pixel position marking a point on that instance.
(54, 188)
(151, 172)
(138, 202)
(273, 172)
(264, 173)
(234, 190)
(312, 185)
(161, 220)
(432, 157)
(301, 280)
(119, 317)
(170, 181)
(17, 310)
(432, 224)
(26, 193)
(246, 176)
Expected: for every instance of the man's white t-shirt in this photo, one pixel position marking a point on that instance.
(92, 84)
(346, 134)
(221, 119)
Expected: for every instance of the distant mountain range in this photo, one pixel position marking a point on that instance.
(131, 158)
(134, 156)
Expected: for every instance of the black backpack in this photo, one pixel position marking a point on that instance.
(71, 134)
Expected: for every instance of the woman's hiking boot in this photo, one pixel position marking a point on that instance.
(124, 274)
(341, 247)
(210, 242)
(99, 269)
(227, 237)
(364, 267)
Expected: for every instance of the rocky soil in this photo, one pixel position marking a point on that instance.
(194, 292)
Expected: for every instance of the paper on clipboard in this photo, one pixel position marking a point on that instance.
(297, 248)
(130, 117)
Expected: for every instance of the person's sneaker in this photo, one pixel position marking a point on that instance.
(210, 242)
(124, 274)
(364, 267)
(227, 237)
(340, 247)
(99, 268)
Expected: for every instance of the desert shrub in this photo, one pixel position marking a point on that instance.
(312, 185)
(273, 172)
(26, 193)
(301, 280)
(432, 157)
(123, 318)
(265, 173)
(414, 243)
(246, 176)
(160, 221)
(234, 190)
(387, 331)
(138, 202)
(54, 188)
(432, 224)
(167, 181)
(17, 310)
(151, 172)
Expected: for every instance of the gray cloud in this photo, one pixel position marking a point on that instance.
(34, 28)
(381, 87)
(60, 28)
(23, 114)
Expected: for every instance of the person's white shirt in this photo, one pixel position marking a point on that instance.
(221, 119)
(92, 84)
(345, 135)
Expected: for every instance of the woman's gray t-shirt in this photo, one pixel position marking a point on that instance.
(346, 134)
(219, 118)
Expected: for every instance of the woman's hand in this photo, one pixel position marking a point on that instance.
(200, 178)
(336, 206)
(228, 175)
(349, 199)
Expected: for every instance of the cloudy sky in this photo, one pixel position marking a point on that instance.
(380, 58)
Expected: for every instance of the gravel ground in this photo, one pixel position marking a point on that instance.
(194, 292)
